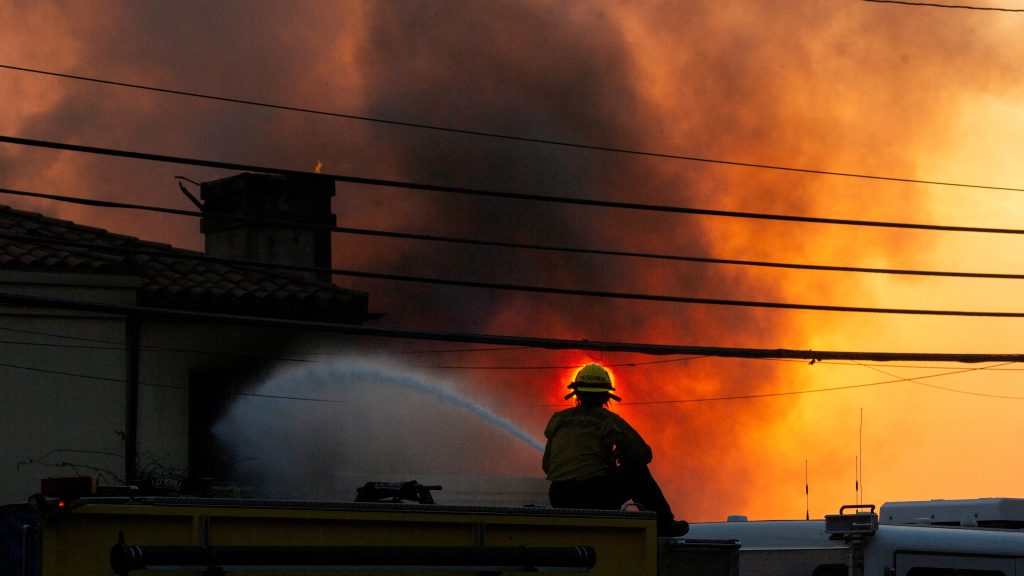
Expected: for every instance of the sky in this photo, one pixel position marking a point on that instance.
(897, 91)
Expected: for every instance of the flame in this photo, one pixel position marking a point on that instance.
(319, 165)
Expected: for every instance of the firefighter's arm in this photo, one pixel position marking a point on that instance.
(631, 446)
(547, 457)
(549, 431)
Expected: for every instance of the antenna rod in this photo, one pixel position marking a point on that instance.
(860, 450)
(856, 480)
(807, 492)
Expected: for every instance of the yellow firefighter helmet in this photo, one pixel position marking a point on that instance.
(592, 378)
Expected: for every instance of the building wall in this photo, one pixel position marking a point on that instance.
(61, 383)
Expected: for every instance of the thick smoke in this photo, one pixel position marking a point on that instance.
(823, 85)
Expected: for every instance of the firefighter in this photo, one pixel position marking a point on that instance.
(595, 459)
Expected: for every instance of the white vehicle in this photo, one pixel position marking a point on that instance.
(983, 537)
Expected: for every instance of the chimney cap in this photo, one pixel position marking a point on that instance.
(272, 197)
(312, 184)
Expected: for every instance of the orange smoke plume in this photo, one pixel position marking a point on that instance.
(845, 86)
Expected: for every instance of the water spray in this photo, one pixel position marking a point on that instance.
(345, 372)
(311, 430)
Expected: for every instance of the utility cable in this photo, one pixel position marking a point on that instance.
(487, 193)
(562, 366)
(58, 345)
(151, 348)
(119, 346)
(655, 402)
(915, 380)
(933, 5)
(258, 395)
(577, 145)
(459, 350)
(169, 386)
(454, 240)
(813, 391)
(997, 368)
(477, 242)
(650, 402)
(476, 338)
(154, 348)
(640, 403)
(61, 373)
(668, 298)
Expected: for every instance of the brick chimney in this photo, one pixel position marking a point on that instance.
(287, 199)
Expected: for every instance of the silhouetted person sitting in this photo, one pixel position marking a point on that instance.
(595, 459)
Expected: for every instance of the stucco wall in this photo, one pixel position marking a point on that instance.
(61, 383)
(71, 399)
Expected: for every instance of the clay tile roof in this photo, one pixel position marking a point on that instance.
(170, 277)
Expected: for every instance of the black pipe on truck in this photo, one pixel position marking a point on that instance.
(124, 558)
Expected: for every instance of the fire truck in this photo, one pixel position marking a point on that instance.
(395, 528)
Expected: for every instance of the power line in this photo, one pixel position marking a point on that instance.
(997, 368)
(154, 348)
(119, 346)
(486, 243)
(640, 403)
(954, 390)
(61, 373)
(578, 292)
(601, 293)
(708, 399)
(736, 397)
(933, 5)
(661, 298)
(667, 298)
(651, 402)
(459, 350)
(58, 345)
(755, 396)
(819, 390)
(531, 342)
(259, 395)
(149, 348)
(488, 193)
(169, 386)
(486, 134)
(564, 366)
